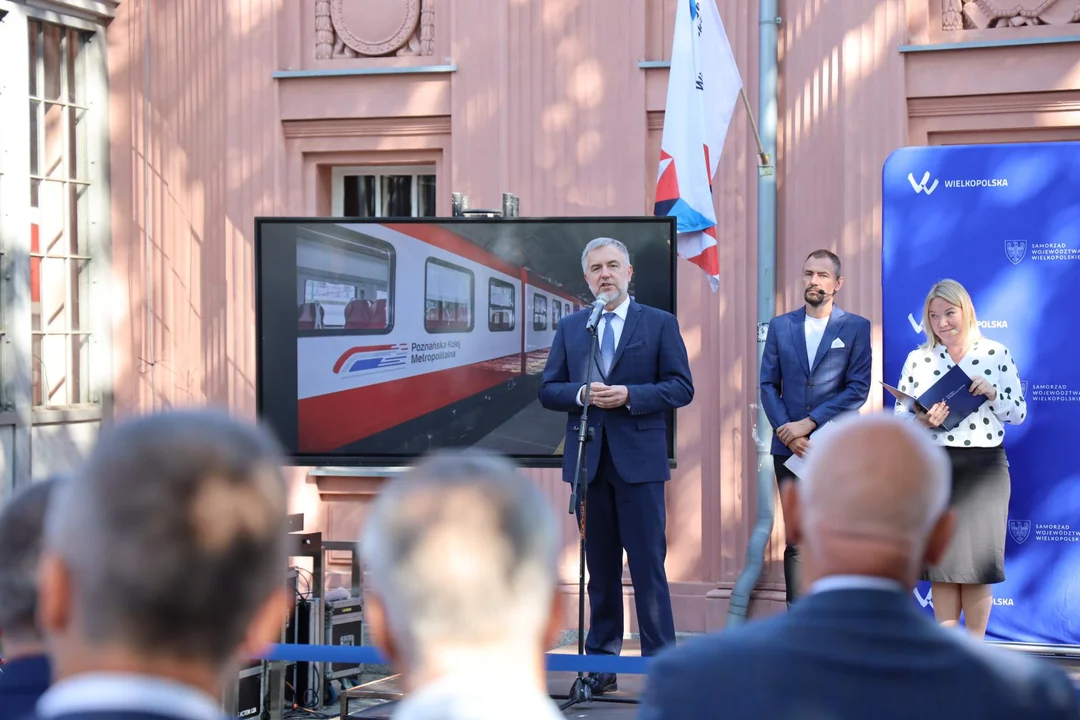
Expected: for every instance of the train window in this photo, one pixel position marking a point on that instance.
(556, 313)
(448, 297)
(540, 312)
(345, 285)
(501, 316)
(566, 309)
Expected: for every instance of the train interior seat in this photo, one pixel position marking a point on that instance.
(366, 314)
(311, 316)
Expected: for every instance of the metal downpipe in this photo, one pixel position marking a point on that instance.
(768, 30)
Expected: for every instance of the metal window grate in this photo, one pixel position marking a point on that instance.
(60, 254)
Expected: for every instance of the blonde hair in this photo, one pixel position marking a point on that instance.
(953, 293)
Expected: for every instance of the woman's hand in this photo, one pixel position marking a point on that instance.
(982, 386)
(935, 417)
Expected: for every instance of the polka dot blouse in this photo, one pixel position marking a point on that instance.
(986, 426)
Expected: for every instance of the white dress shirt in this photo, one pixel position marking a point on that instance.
(466, 696)
(986, 358)
(617, 323)
(130, 693)
(854, 582)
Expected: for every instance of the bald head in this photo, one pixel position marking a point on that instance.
(462, 552)
(876, 478)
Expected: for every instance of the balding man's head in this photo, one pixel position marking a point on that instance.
(875, 489)
(462, 553)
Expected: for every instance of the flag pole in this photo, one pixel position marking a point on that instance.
(762, 155)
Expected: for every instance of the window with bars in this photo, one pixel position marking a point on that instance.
(405, 191)
(60, 254)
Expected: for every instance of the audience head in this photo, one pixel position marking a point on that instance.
(462, 553)
(169, 547)
(22, 526)
(949, 315)
(873, 499)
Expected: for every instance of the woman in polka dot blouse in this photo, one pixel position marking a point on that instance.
(981, 485)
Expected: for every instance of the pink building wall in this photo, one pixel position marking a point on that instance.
(545, 99)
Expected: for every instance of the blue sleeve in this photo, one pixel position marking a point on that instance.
(771, 380)
(556, 392)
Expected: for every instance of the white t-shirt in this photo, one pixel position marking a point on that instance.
(815, 330)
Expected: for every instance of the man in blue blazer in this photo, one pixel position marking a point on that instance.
(640, 372)
(816, 365)
(871, 511)
(25, 673)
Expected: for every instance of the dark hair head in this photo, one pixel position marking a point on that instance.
(827, 255)
(174, 533)
(22, 528)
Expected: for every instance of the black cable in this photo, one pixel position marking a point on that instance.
(311, 580)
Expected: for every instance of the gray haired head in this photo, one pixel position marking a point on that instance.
(22, 528)
(599, 243)
(173, 534)
(462, 552)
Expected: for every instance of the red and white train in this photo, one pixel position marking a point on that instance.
(402, 323)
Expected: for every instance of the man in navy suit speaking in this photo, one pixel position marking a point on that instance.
(816, 365)
(641, 371)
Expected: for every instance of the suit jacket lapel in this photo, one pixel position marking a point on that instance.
(633, 314)
(798, 338)
(832, 330)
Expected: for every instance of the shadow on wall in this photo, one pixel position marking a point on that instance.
(207, 170)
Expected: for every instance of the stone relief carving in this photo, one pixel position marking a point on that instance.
(374, 28)
(981, 14)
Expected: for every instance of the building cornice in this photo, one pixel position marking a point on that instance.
(101, 11)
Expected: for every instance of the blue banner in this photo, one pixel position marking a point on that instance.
(1004, 221)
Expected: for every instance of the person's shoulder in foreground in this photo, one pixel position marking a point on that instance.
(755, 669)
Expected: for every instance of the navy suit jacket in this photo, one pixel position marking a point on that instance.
(855, 654)
(22, 682)
(651, 362)
(838, 381)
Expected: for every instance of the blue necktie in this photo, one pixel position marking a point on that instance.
(607, 343)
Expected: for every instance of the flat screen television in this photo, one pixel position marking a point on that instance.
(380, 340)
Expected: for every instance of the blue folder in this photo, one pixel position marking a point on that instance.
(953, 388)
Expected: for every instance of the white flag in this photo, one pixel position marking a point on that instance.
(703, 87)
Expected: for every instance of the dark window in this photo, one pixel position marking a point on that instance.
(501, 316)
(448, 297)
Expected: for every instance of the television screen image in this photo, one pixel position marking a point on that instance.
(379, 341)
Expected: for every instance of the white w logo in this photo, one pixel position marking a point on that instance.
(920, 186)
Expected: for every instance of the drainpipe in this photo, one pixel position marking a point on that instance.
(768, 30)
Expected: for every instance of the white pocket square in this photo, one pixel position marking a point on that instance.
(837, 343)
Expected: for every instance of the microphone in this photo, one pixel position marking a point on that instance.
(597, 308)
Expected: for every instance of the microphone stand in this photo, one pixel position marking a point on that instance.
(581, 691)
